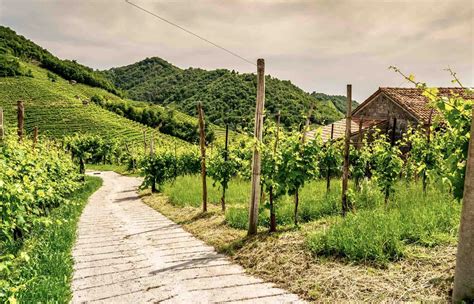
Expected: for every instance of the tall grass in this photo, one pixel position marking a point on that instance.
(380, 234)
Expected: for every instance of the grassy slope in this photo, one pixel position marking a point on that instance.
(57, 109)
(46, 277)
(287, 258)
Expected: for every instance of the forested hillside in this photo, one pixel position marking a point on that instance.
(14, 47)
(228, 96)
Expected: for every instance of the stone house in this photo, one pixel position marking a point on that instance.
(390, 110)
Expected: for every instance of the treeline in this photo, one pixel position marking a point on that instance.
(13, 44)
(163, 120)
(228, 96)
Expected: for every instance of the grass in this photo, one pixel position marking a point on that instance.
(284, 258)
(43, 269)
(381, 234)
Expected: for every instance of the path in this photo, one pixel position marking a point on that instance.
(126, 252)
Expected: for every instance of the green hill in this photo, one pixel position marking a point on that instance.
(228, 96)
(58, 109)
(339, 101)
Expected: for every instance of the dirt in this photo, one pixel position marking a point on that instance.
(126, 252)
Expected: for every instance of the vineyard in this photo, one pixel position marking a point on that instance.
(371, 215)
(57, 109)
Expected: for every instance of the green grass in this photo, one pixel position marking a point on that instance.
(374, 233)
(381, 234)
(43, 267)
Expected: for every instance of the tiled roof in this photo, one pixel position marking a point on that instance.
(340, 128)
(412, 99)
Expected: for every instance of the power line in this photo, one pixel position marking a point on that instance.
(191, 33)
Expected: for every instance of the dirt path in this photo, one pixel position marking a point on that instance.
(127, 252)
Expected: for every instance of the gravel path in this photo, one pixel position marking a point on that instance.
(126, 252)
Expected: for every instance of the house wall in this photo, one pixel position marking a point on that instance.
(384, 108)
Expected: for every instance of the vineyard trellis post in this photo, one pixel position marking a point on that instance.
(35, 136)
(328, 173)
(202, 142)
(2, 130)
(428, 140)
(144, 141)
(152, 144)
(21, 119)
(256, 159)
(345, 170)
(463, 277)
(226, 157)
(272, 206)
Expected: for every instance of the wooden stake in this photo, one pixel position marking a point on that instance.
(2, 129)
(463, 277)
(226, 154)
(272, 206)
(144, 141)
(21, 119)
(202, 142)
(256, 160)
(394, 129)
(428, 140)
(328, 173)
(345, 171)
(35, 136)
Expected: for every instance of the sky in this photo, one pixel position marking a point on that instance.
(320, 45)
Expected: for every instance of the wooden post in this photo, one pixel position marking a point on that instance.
(202, 142)
(345, 171)
(144, 140)
(35, 137)
(152, 144)
(21, 119)
(272, 206)
(328, 173)
(2, 129)
(359, 135)
(463, 277)
(256, 160)
(428, 140)
(226, 154)
(303, 139)
(394, 129)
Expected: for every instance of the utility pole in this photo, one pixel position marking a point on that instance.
(256, 160)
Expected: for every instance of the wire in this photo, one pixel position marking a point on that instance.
(191, 33)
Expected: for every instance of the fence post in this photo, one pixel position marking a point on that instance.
(428, 141)
(256, 160)
(35, 137)
(144, 141)
(2, 129)
(21, 119)
(345, 170)
(226, 156)
(328, 173)
(202, 142)
(463, 277)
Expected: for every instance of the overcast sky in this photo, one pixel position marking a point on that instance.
(320, 45)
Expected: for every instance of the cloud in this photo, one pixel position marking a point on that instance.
(319, 44)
